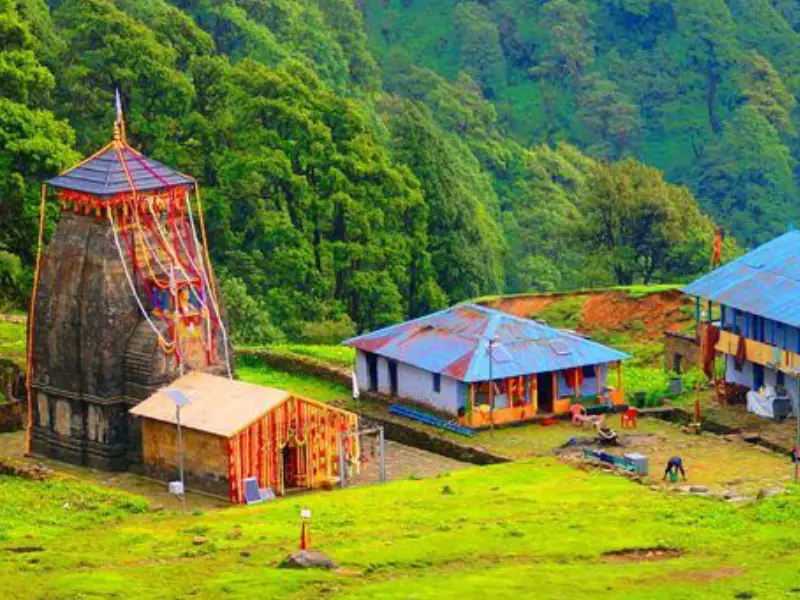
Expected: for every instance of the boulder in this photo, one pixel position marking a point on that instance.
(769, 492)
(308, 559)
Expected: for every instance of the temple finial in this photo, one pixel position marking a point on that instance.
(119, 122)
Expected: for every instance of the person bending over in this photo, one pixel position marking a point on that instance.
(674, 465)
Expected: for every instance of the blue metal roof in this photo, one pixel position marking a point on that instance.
(455, 342)
(764, 282)
(103, 175)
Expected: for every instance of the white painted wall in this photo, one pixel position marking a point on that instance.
(745, 378)
(413, 383)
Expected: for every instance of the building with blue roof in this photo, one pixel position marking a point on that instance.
(758, 333)
(484, 365)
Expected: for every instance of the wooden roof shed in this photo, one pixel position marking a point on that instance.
(234, 430)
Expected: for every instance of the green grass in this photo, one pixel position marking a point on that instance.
(508, 531)
(340, 356)
(309, 386)
(13, 341)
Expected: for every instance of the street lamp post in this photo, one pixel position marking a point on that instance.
(491, 379)
(180, 399)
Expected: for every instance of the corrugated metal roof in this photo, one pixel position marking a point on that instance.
(219, 405)
(764, 282)
(103, 175)
(455, 342)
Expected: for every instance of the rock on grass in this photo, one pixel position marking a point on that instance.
(308, 559)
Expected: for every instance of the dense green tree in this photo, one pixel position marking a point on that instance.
(455, 190)
(34, 144)
(479, 46)
(634, 218)
(748, 175)
(609, 118)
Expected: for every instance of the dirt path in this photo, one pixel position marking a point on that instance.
(403, 462)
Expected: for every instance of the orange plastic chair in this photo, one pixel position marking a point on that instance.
(628, 418)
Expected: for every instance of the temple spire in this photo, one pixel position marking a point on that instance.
(119, 122)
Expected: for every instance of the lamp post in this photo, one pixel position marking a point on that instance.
(492, 341)
(180, 399)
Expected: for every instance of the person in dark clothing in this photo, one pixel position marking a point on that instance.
(674, 465)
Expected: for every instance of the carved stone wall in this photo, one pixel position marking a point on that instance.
(94, 355)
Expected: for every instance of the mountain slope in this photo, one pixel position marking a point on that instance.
(704, 90)
(342, 194)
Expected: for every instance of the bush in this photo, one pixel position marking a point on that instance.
(327, 332)
(248, 318)
(14, 282)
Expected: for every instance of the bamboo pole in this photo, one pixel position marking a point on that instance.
(31, 322)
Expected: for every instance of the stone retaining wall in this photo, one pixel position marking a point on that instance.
(410, 436)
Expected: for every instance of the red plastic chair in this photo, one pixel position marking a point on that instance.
(628, 418)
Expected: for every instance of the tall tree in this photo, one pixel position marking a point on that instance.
(479, 46)
(633, 218)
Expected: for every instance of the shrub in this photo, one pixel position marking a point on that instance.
(248, 317)
(327, 332)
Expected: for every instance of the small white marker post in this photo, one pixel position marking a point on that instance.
(305, 537)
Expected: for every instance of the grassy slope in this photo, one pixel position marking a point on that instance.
(12, 341)
(312, 387)
(504, 532)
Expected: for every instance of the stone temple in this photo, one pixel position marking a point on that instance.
(124, 303)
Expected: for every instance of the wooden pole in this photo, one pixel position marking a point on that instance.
(619, 376)
(598, 378)
(554, 394)
(31, 322)
(535, 393)
(471, 406)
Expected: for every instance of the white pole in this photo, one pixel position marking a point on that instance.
(180, 456)
(382, 444)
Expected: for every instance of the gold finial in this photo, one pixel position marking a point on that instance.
(119, 122)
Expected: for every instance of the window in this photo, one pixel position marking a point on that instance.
(780, 379)
(758, 376)
(588, 371)
(437, 382)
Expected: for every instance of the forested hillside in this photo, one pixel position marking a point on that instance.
(350, 183)
(702, 89)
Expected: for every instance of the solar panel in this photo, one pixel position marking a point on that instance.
(500, 354)
(560, 347)
(251, 492)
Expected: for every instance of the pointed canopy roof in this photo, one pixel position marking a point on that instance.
(104, 173)
(455, 343)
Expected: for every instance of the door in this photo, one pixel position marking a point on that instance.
(290, 467)
(372, 371)
(544, 383)
(393, 378)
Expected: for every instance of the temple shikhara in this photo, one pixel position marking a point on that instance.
(124, 303)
